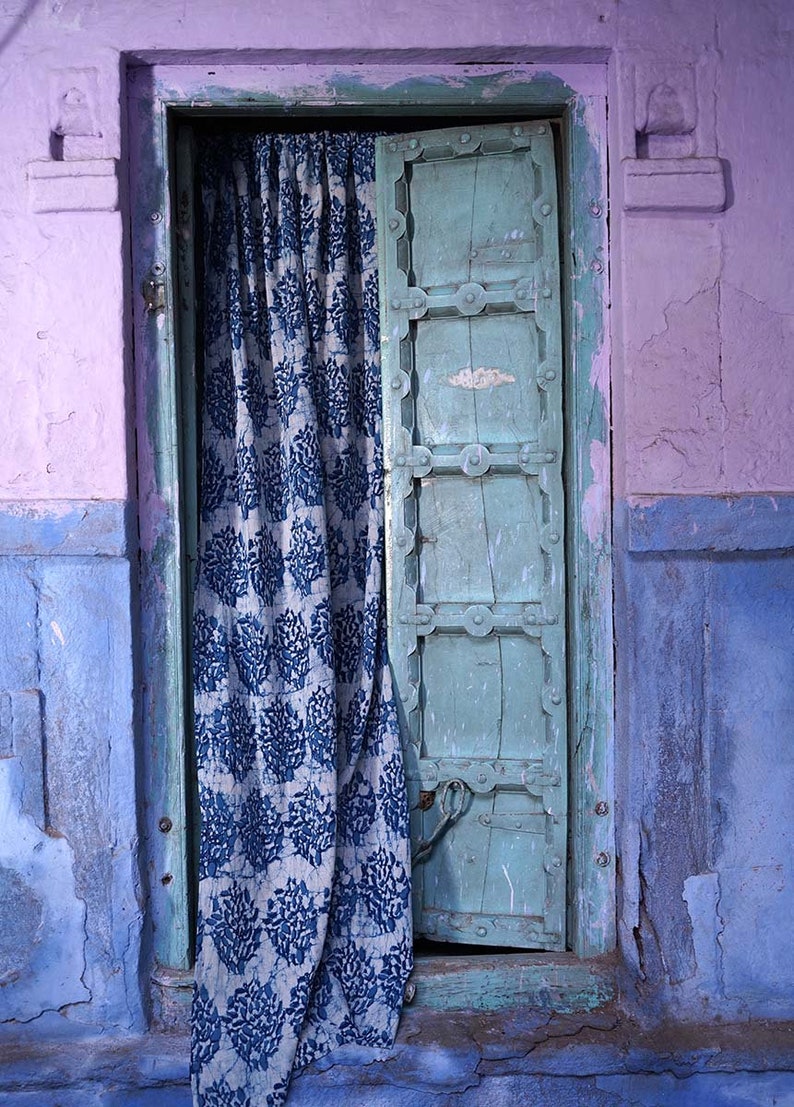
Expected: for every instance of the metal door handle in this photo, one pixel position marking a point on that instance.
(449, 815)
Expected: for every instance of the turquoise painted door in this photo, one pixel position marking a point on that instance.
(473, 437)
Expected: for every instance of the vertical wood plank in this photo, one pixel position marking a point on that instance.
(592, 877)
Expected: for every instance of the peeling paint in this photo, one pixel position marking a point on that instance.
(480, 378)
(599, 373)
(595, 509)
(702, 895)
(44, 939)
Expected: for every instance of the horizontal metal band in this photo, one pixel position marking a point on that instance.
(460, 141)
(478, 620)
(482, 776)
(475, 459)
(488, 929)
(472, 298)
(528, 822)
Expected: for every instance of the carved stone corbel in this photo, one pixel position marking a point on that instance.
(79, 176)
(669, 153)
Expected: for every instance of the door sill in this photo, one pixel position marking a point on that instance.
(486, 982)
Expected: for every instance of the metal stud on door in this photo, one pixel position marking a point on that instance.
(472, 372)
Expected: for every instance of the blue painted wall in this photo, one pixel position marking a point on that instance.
(71, 903)
(704, 636)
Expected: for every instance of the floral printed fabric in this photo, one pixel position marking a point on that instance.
(304, 934)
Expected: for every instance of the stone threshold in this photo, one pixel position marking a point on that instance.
(433, 1053)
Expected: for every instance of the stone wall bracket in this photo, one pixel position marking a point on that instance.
(673, 184)
(667, 134)
(85, 185)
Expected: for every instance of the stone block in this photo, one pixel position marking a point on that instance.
(673, 184)
(74, 185)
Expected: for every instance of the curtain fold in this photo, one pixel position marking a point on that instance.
(304, 934)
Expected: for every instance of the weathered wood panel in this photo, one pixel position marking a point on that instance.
(473, 374)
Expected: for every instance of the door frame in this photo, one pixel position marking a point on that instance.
(575, 96)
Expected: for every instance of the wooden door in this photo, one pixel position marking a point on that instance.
(473, 437)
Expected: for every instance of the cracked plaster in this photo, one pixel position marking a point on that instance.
(705, 837)
(702, 309)
(69, 419)
(46, 962)
(677, 429)
(69, 767)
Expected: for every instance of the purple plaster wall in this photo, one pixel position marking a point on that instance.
(701, 313)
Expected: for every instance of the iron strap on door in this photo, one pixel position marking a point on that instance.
(472, 378)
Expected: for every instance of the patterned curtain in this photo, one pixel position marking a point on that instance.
(304, 934)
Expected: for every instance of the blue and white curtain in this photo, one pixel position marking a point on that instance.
(304, 937)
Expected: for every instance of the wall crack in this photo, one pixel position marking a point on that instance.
(673, 305)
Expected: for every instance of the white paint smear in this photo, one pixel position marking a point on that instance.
(594, 503)
(480, 378)
(56, 630)
(512, 890)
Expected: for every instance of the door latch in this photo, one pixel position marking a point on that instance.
(153, 288)
(450, 813)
